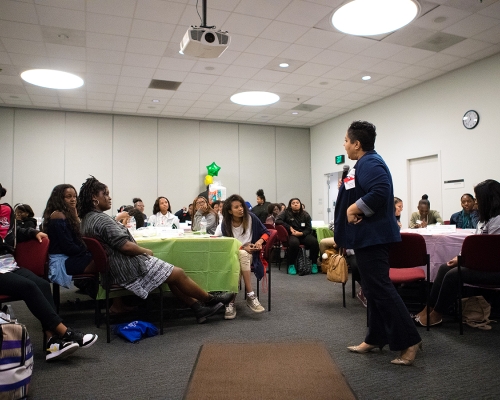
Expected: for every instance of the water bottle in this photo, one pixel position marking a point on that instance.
(131, 225)
(203, 225)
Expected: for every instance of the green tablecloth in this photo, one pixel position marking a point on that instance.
(212, 263)
(322, 232)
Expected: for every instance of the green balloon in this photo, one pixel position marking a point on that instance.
(213, 169)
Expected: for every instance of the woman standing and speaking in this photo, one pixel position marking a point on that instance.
(364, 221)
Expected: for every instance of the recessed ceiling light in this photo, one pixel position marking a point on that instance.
(284, 65)
(295, 113)
(374, 17)
(52, 79)
(254, 98)
(63, 36)
(14, 97)
(366, 77)
(209, 68)
(323, 83)
(438, 20)
(155, 101)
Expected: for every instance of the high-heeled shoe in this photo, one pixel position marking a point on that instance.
(369, 347)
(408, 361)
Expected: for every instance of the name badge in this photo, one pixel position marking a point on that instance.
(349, 181)
(303, 224)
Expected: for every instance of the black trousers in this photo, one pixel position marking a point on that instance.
(22, 284)
(309, 241)
(388, 318)
(445, 287)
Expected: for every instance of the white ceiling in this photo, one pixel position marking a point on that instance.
(118, 46)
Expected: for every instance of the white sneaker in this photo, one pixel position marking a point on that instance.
(230, 311)
(254, 304)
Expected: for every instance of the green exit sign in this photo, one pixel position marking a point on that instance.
(339, 159)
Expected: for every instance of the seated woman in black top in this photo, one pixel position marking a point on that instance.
(468, 217)
(24, 216)
(298, 224)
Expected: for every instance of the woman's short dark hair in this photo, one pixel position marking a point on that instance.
(397, 200)
(425, 201)
(469, 195)
(156, 206)
(271, 206)
(488, 199)
(364, 132)
(26, 208)
(3, 191)
(260, 194)
(289, 208)
(139, 217)
(136, 200)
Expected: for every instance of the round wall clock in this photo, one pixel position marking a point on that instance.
(470, 119)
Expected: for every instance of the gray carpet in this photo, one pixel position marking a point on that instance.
(309, 307)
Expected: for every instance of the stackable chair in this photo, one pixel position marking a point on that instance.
(102, 264)
(406, 258)
(480, 253)
(268, 247)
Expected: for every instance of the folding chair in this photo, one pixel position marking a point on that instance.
(267, 256)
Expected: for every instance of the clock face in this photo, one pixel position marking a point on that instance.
(471, 119)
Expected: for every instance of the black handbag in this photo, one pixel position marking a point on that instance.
(303, 263)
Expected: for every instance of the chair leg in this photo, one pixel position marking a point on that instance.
(343, 295)
(56, 295)
(269, 291)
(353, 288)
(161, 310)
(108, 327)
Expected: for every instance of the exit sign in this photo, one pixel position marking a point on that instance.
(339, 159)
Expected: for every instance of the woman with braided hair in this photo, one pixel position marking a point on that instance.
(132, 266)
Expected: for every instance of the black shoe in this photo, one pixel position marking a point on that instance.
(224, 298)
(57, 348)
(83, 339)
(203, 312)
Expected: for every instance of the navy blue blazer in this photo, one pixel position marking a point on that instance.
(374, 195)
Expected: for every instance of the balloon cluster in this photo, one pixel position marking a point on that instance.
(213, 170)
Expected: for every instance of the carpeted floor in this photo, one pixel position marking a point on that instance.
(304, 308)
(294, 370)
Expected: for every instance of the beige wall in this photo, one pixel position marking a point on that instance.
(148, 157)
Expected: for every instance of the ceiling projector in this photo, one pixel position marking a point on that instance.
(204, 42)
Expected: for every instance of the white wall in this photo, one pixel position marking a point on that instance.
(425, 119)
(148, 157)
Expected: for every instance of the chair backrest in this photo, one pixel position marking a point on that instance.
(270, 243)
(446, 222)
(282, 234)
(409, 253)
(269, 226)
(33, 255)
(98, 254)
(481, 252)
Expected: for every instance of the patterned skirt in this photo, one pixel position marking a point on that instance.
(158, 272)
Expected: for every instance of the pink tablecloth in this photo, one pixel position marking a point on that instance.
(442, 247)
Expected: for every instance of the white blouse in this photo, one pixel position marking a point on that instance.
(167, 220)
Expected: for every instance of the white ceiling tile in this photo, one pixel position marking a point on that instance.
(252, 60)
(105, 56)
(350, 86)
(71, 52)
(283, 32)
(70, 4)
(433, 74)
(10, 80)
(472, 25)
(160, 11)
(137, 91)
(215, 17)
(125, 104)
(24, 47)
(413, 71)
(261, 8)
(100, 96)
(332, 58)
(177, 64)
(19, 12)
(266, 47)
(409, 36)
(256, 85)
(109, 24)
(270, 76)
(240, 42)
(139, 72)
(228, 57)
(302, 13)
(60, 17)
(138, 60)
(197, 88)
(127, 98)
(102, 78)
(309, 91)
(297, 79)
(26, 60)
(319, 38)
(219, 113)
(285, 88)
(193, 96)
(411, 55)
(99, 104)
(313, 69)
(341, 73)
(437, 60)
(169, 75)
(208, 67)
(103, 68)
(457, 64)
(382, 50)
(492, 10)
(146, 46)
(73, 66)
(392, 81)
(230, 82)
(485, 53)
(72, 101)
(120, 8)
(220, 90)
(134, 81)
(372, 89)
(80, 93)
(352, 44)
(404, 85)
(466, 47)
(387, 67)
(152, 30)
(318, 100)
(44, 99)
(441, 17)
(215, 98)
(299, 52)
(180, 103)
(107, 42)
(205, 104)
(102, 88)
(324, 83)
(19, 30)
(207, 79)
(245, 24)
(491, 35)
(159, 94)
(360, 62)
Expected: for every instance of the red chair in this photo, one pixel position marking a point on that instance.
(283, 238)
(446, 222)
(480, 253)
(270, 226)
(101, 262)
(406, 258)
(268, 247)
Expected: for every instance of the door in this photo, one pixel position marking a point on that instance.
(332, 189)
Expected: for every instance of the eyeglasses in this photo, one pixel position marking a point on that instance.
(200, 202)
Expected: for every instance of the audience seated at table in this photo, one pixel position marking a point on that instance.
(424, 216)
(260, 210)
(162, 214)
(273, 211)
(25, 216)
(445, 287)
(23, 284)
(297, 222)
(202, 209)
(184, 214)
(139, 205)
(128, 212)
(132, 266)
(398, 209)
(244, 226)
(468, 217)
(217, 206)
(283, 207)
